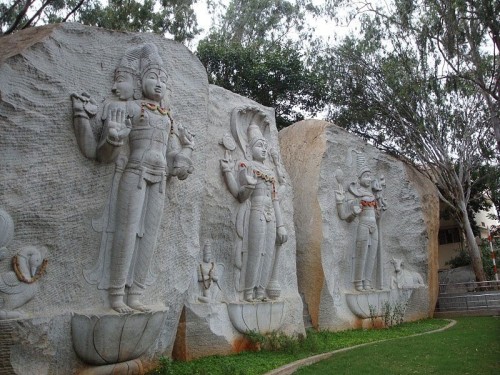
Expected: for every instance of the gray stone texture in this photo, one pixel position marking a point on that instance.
(53, 192)
(312, 151)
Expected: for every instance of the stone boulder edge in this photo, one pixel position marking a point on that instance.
(207, 330)
(53, 192)
(312, 151)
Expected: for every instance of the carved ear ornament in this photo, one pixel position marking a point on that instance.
(19, 274)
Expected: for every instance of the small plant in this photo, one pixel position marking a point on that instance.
(165, 366)
(387, 314)
(398, 312)
(373, 314)
(274, 341)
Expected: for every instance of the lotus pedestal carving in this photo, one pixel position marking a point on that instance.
(114, 342)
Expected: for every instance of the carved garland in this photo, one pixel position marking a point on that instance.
(209, 276)
(154, 107)
(265, 177)
(21, 277)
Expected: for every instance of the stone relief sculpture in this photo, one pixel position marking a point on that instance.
(364, 201)
(140, 120)
(19, 286)
(403, 278)
(208, 275)
(255, 182)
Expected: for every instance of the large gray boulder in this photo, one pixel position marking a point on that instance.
(319, 156)
(59, 202)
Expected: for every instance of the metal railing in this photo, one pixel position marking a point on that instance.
(469, 287)
(469, 296)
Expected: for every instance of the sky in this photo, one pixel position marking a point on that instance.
(324, 27)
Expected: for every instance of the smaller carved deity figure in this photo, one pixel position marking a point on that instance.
(365, 202)
(19, 286)
(259, 224)
(146, 126)
(208, 274)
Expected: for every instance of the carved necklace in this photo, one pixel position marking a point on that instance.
(21, 277)
(153, 107)
(209, 276)
(265, 176)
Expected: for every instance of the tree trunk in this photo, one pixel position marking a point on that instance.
(472, 247)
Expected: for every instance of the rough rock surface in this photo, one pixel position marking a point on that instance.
(53, 192)
(217, 226)
(312, 152)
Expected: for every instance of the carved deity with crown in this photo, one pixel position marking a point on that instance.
(255, 183)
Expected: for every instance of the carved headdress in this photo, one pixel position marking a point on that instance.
(361, 166)
(130, 64)
(130, 61)
(248, 124)
(150, 59)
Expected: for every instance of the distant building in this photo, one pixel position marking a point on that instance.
(450, 237)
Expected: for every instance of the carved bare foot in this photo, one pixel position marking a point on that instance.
(134, 303)
(358, 285)
(119, 306)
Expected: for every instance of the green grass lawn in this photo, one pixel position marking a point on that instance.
(472, 346)
(284, 350)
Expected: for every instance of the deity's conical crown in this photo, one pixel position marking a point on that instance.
(150, 59)
(361, 166)
(254, 134)
(130, 61)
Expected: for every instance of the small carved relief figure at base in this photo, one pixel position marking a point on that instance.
(209, 274)
(365, 202)
(19, 286)
(254, 182)
(403, 278)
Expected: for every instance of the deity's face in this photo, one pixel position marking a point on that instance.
(207, 256)
(124, 85)
(154, 84)
(366, 179)
(259, 150)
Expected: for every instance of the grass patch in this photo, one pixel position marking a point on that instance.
(278, 350)
(472, 346)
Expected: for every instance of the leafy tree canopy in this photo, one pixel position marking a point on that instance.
(257, 49)
(174, 17)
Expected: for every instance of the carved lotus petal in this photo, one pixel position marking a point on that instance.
(113, 338)
(360, 303)
(260, 317)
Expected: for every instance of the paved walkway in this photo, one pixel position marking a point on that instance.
(294, 366)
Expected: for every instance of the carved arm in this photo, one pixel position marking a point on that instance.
(84, 107)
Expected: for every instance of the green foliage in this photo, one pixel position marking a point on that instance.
(463, 259)
(275, 76)
(284, 351)
(275, 341)
(174, 17)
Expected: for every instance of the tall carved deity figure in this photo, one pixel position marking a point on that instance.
(365, 202)
(254, 182)
(140, 119)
